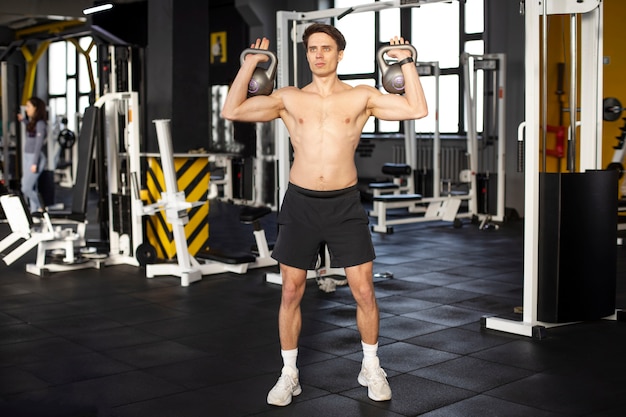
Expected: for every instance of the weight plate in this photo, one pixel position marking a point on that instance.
(146, 254)
(612, 109)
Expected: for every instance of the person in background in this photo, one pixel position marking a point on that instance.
(34, 150)
(322, 203)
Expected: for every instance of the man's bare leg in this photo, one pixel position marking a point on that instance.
(360, 279)
(289, 325)
(372, 376)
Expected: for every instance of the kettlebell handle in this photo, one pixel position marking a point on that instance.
(270, 54)
(380, 56)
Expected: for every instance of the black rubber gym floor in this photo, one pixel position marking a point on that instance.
(111, 342)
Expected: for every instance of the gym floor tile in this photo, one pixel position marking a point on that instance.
(112, 343)
(155, 354)
(396, 304)
(404, 357)
(462, 372)
(494, 304)
(459, 340)
(339, 342)
(442, 295)
(413, 396)
(76, 368)
(447, 315)
(484, 406)
(401, 328)
(112, 338)
(582, 396)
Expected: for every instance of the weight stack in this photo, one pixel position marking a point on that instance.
(577, 246)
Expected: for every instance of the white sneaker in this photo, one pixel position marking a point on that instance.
(286, 388)
(374, 378)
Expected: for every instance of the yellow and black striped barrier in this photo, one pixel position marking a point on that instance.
(193, 177)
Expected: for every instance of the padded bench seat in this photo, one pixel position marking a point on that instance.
(383, 186)
(390, 198)
(227, 258)
(249, 214)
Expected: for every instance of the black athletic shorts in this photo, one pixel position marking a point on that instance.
(308, 219)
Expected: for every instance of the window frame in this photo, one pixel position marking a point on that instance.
(405, 31)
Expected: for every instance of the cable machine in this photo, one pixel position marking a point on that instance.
(493, 68)
(590, 14)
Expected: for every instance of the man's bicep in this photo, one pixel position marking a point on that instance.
(387, 107)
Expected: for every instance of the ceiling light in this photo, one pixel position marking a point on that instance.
(96, 9)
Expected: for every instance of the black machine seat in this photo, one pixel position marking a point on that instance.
(86, 143)
(247, 215)
(390, 198)
(383, 185)
(250, 214)
(227, 258)
(397, 170)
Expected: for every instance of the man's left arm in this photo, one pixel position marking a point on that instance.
(409, 106)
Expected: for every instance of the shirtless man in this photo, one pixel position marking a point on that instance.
(322, 203)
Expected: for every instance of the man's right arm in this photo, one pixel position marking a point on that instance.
(239, 107)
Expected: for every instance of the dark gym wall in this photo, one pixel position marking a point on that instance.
(225, 18)
(177, 59)
(505, 34)
(190, 97)
(159, 64)
(244, 21)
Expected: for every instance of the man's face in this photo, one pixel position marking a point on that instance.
(322, 54)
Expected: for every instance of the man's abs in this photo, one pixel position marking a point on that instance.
(320, 175)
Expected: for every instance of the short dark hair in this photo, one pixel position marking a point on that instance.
(331, 31)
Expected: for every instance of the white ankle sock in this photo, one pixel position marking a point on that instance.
(370, 352)
(290, 357)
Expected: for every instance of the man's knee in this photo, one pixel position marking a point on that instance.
(293, 285)
(364, 295)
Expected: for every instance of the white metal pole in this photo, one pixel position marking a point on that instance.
(436, 139)
(5, 118)
(573, 94)
(591, 108)
(501, 169)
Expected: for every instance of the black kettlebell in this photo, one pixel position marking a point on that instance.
(262, 81)
(393, 80)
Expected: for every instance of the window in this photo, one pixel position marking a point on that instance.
(69, 83)
(440, 31)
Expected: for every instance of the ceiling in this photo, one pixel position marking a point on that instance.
(24, 14)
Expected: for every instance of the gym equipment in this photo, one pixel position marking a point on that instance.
(589, 14)
(48, 238)
(262, 81)
(392, 77)
(618, 155)
(617, 164)
(612, 109)
(121, 207)
(65, 157)
(442, 205)
(493, 68)
(59, 231)
(190, 268)
(66, 138)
